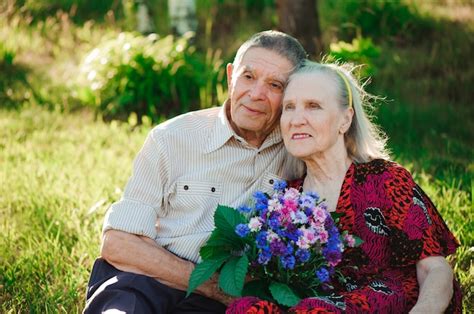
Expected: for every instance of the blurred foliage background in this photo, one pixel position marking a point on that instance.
(80, 87)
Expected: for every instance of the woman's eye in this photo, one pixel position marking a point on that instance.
(248, 76)
(314, 105)
(288, 107)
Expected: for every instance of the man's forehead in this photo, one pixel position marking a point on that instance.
(277, 73)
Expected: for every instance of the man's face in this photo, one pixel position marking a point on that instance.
(256, 88)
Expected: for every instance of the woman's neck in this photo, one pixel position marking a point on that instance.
(325, 175)
(328, 167)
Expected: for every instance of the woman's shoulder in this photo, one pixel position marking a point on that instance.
(381, 167)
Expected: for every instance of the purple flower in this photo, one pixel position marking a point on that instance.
(322, 274)
(332, 256)
(244, 209)
(242, 230)
(279, 185)
(288, 261)
(278, 248)
(302, 255)
(264, 257)
(261, 239)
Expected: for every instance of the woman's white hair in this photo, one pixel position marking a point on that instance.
(364, 140)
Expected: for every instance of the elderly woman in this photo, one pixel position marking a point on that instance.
(401, 264)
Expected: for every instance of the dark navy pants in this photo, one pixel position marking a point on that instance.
(112, 289)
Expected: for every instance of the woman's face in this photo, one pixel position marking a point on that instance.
(312, 121)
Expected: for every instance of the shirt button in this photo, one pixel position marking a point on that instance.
(213, 189)
(186, 187)
(271, 181)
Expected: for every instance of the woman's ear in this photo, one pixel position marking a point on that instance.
(346, 120)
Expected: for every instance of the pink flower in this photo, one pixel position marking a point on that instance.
(291, 194)
(291, 205)
(319, 214)
(323, 236)
(350, 240)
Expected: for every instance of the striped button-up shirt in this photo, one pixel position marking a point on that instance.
(187, 166)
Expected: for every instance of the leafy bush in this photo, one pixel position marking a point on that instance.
(14, 86)
(381, 20)
(147, 76)
(81, 10)
(361, 51)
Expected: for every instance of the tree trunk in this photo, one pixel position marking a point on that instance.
(300, 19)
(182, 15)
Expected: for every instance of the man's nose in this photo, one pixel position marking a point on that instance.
(257, 91)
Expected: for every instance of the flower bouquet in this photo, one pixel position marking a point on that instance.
(283, 248)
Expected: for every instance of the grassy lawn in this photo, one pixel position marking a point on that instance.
(60, 172)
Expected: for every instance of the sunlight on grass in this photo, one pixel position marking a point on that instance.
(60, 172)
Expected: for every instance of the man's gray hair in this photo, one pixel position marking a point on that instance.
(278, 42)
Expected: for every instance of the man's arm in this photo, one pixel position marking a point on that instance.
(435, 278)
(142, 255)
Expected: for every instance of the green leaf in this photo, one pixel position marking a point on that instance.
(226, 219)
(283, 294)
(335, 216)
(202, 272)
(358, 241)
(214, 252)
(257, 288)
(232, 276)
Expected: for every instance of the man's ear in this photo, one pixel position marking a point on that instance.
(229, 69)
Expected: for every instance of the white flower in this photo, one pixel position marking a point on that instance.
(255, 224)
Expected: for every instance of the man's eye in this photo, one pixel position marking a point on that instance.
(248, 76)
(276, 86)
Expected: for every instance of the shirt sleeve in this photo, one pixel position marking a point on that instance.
(142, 200)
(419, 231)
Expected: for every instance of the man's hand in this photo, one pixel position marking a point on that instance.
(142, 255)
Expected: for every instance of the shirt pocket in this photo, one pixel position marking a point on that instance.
(194, 204)
(268, 181)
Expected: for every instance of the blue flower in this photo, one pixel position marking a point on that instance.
(264, 257)
(261, 206)
(322, 274)
(242, 230)
(302, 255)
(279, 185)
(314, 195)
(244, 209)
(261, 239)
(288, 261)
(260, 197)
(274, 221)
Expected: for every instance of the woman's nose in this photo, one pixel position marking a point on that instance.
(298, 118)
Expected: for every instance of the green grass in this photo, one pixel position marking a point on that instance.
(60, 172)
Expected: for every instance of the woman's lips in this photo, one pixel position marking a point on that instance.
(300, 136)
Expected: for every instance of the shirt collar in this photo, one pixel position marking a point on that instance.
(223, 132)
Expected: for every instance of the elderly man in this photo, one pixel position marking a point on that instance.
(186, 167)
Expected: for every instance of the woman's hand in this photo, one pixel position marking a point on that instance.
(435, 278)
